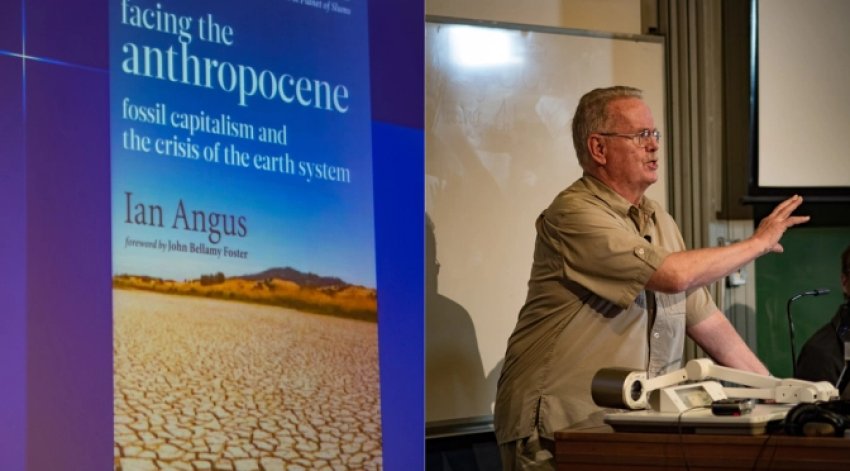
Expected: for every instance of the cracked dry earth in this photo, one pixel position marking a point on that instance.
(203, 384)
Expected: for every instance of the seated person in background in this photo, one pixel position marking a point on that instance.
(822, 357)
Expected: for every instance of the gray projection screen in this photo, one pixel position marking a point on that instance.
(803, 97)
(499, 103)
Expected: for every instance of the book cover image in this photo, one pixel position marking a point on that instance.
(244, 292)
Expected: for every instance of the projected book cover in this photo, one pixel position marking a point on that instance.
(244, 316)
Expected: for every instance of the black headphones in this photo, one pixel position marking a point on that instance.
(819, 418)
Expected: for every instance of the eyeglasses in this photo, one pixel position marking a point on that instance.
(640, 138)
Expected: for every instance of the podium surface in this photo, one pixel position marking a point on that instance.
(601, 448)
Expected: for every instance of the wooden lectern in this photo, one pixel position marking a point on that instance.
(603, 449)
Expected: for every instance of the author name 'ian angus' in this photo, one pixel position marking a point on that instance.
(215, 224)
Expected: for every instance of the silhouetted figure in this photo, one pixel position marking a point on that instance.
(822, 357)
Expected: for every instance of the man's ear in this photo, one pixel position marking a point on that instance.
(597, 147)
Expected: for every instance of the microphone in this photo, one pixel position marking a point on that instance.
(812, 292)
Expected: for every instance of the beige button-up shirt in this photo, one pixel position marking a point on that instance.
(587, 309)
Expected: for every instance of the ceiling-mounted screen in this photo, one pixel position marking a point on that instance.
(803, 101)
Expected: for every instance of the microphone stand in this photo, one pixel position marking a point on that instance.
(844, 377)
(814, 292)
(844, 334)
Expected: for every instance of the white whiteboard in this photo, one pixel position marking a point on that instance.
(499, 103)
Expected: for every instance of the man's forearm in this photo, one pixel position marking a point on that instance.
(681, 271)
(721, 341)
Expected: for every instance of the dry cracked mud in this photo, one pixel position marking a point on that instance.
(204, 384)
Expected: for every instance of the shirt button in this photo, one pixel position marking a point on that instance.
(656, 334)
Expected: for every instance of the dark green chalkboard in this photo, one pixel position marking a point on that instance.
(812, 259)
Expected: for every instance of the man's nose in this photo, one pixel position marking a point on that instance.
(652, 145)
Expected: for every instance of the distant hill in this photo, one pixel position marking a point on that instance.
(308, 280)
(284, 287)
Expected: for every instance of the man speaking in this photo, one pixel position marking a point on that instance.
(612, 284)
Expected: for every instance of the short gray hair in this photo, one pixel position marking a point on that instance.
(592, 114)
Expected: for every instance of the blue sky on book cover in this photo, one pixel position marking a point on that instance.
(254, 115)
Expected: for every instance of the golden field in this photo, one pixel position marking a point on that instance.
(348, 301)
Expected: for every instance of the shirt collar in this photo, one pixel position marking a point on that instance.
(615, 201)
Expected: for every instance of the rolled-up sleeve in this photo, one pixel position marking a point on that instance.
(600, 251)
(699, 306)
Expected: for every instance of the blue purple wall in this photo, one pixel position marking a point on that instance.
(55, 294)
